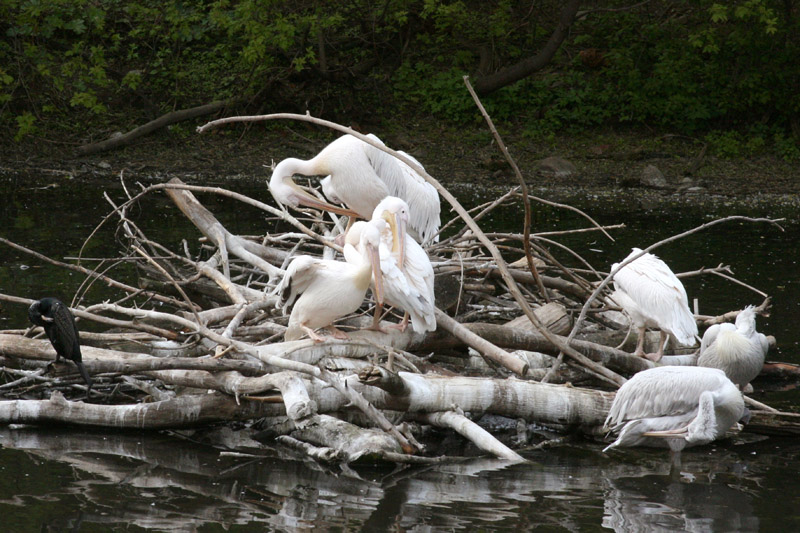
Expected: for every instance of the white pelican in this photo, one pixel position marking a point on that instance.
(654, 297)
(675, 406)
(738, 350)
(361, 176)
(323, 290)
(406, 270)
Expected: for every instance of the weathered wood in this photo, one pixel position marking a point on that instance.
(472, 431)
(101, 360)
(483, 346)
(768, 423)
(216, 232)
(506, 337)
(321, 454)
(781, 371)
(184, 411)
(351, 441)
(298, 385)
(543, 403)
(552, 315)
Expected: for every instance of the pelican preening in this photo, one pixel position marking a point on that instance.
(330, 193)
(59, 326)
(738, 350)
(405, 267)
(320, 291)
(361, 175)
(674, 406)
(654, 297)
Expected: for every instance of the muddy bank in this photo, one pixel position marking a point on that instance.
(606, 163)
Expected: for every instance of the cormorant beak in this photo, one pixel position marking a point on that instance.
(310, 201)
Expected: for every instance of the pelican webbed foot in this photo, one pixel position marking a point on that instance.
(313, 335)
(336, 333)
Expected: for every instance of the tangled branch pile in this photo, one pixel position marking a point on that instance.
(198, 342)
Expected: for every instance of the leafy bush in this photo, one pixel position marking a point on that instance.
(726, 71)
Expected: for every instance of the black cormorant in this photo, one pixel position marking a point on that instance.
(59, 325)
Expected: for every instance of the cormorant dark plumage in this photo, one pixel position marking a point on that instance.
(59, 325)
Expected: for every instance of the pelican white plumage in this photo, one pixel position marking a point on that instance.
(654, 297)
(320, 291)
(738, 350)
(329, 191)
(674, 406)
(405, 268)
(361, 176)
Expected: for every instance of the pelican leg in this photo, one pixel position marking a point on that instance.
(313, 335)
(640, 342)
(660, 352)
(336, 333)
(376, 320)
(402, 325)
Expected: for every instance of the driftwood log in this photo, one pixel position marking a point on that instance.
(199, 342)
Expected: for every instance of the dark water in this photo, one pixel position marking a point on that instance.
(100, 481)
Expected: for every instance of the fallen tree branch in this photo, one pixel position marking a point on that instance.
(164, 120)
(184, 411)
(472, 431)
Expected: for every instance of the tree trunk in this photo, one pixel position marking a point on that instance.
(529, 65)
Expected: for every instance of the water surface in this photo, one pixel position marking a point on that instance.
(84, 480)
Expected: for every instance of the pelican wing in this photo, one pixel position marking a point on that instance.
(738, 350)
(710, 336)
(418, 267)
(406, 183)
(408, 289)
(666, 391)
(763, 343)
(303, 272)
(746, 325)
(659, 295)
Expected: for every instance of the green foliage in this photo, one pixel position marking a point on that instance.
(25, 125)
(726, 144)
(723, 71)
(787, 147)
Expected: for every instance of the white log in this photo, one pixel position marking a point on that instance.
(472, 431)
(542, 403)
(186, 411)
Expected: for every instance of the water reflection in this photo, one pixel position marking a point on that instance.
(697, 498)
(647, 504)
(155, 481)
